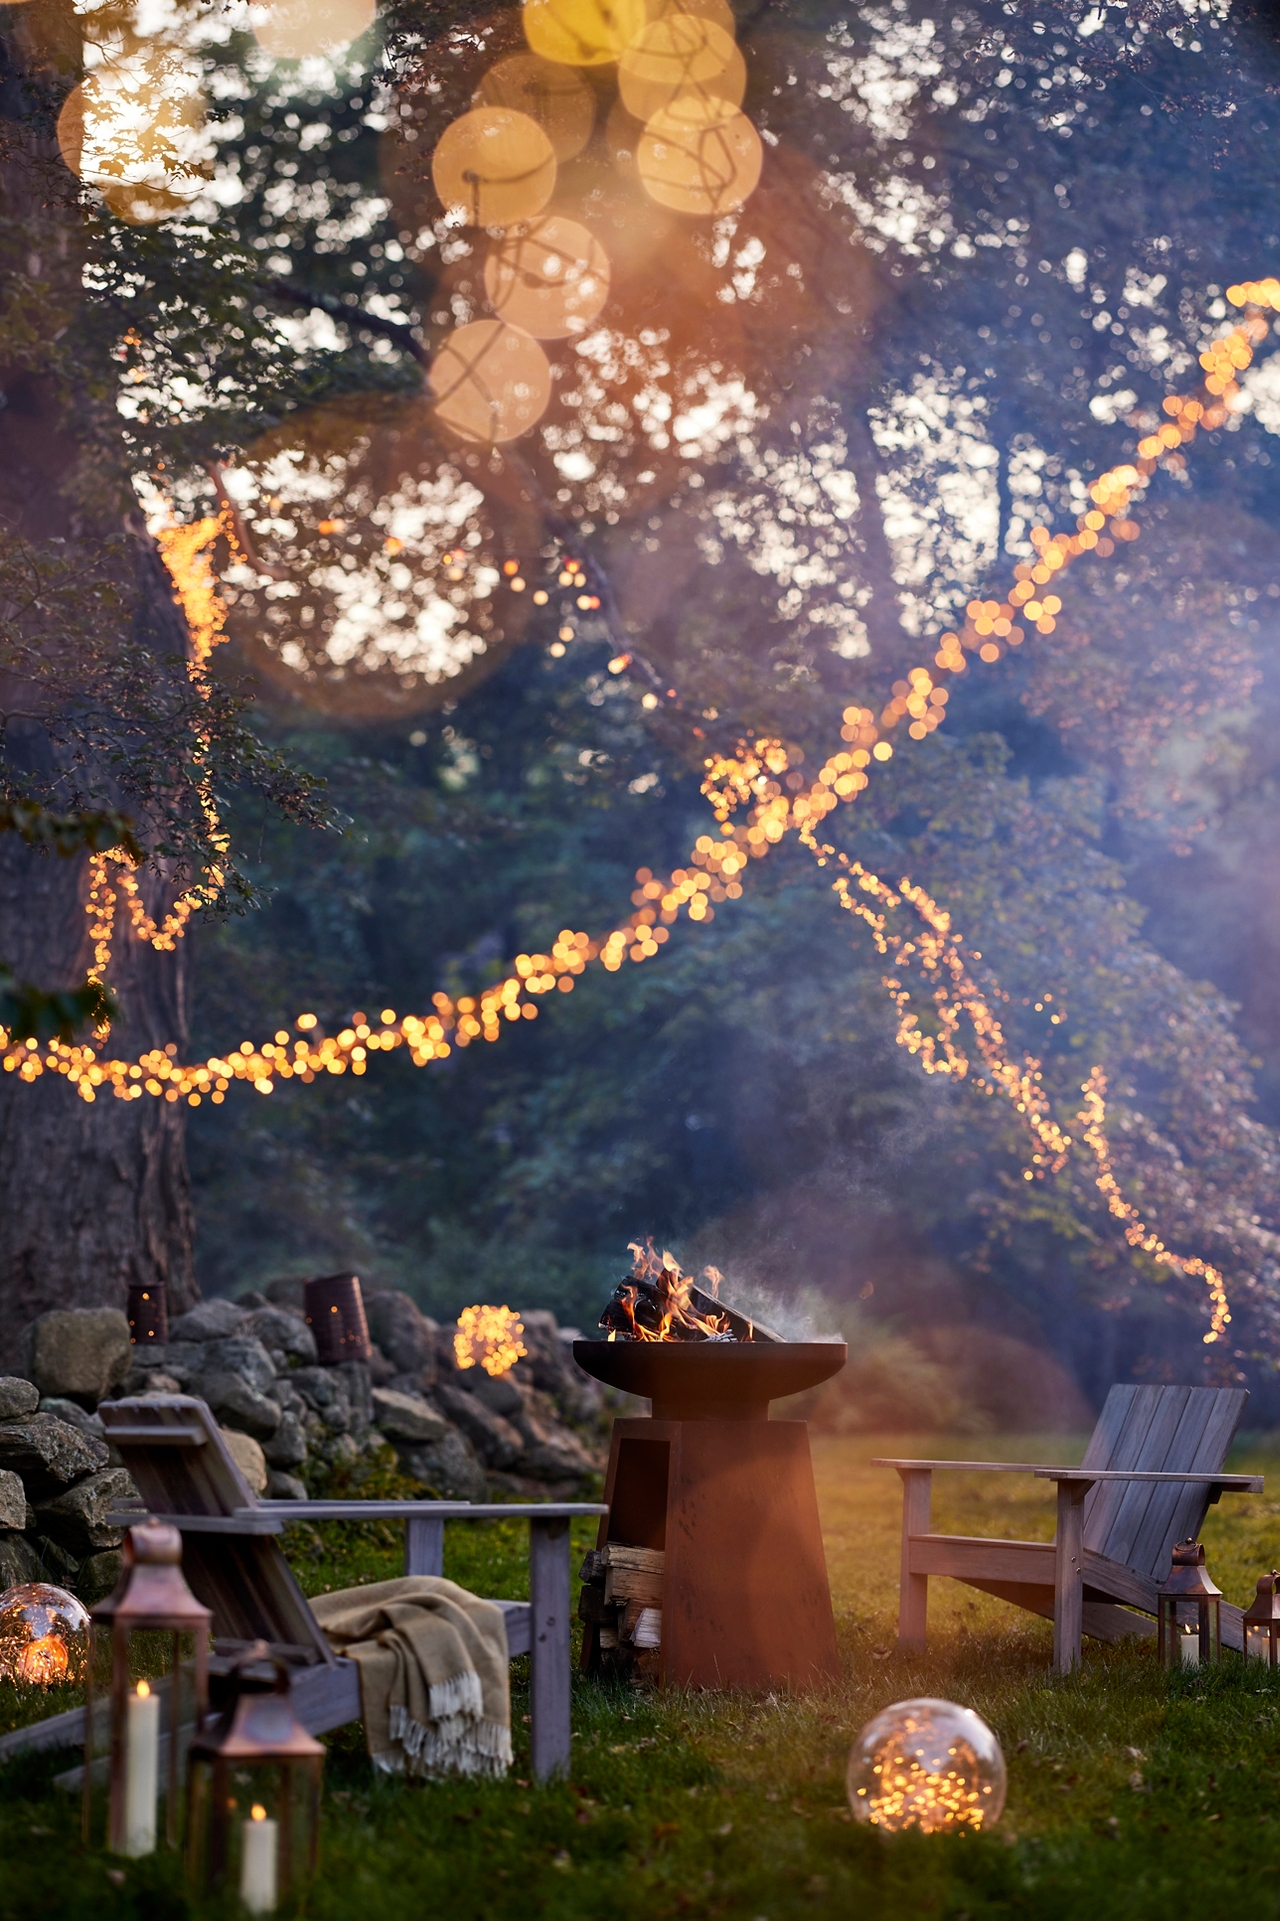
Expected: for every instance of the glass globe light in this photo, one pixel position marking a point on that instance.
(927, 1764)
(44, 1635)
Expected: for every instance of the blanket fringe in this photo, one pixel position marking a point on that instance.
(455, 1744)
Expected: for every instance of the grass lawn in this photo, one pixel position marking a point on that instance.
(1129, 1795)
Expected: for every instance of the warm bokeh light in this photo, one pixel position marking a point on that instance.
(44, 1635)
(718, 11)
(582, 33)
(493, 167)
(491, 1337)
(491, 382)
(551, 278)
(293, 29)
(699, 156)
(134, 129)
(927, 1764)
(680, 55)
(556, 96)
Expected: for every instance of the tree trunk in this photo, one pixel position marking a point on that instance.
(93, 1198)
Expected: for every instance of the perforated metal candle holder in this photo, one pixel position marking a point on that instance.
(254, 1766)
(1187, 1610)
(1262, 1621)
(151, 1599)
(147, 1311)
(334, 1308)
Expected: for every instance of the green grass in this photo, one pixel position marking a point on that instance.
(1128, 1792)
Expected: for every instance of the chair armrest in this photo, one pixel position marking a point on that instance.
(1228, 1483)
(971, 1467)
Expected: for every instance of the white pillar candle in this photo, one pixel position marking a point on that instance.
(258, 1842)
(142, 1770)
(1190, 1648)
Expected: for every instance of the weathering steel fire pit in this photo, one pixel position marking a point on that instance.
(725, 1496)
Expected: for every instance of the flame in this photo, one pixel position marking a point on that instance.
(674, 1289)
(43, 1662)
(490, 1335)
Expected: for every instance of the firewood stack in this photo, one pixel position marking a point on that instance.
(622, 1597)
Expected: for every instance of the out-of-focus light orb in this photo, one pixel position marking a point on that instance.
(699, 156)
(492, 382)
(494, 167)
(134, 128)
(927, 1764)
(292, 29)
(556, 96)
(44, 1635)
(583, 33)
(718, 10)
(680, 54)
(551, 278)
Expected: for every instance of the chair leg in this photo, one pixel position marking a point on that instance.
(549, 1647)
(1068, 1586)
(423, 1545)
(913, 1589)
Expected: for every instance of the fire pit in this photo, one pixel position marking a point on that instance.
(710, 1569)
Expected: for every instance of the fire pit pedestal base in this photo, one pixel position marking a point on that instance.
(731, 1503)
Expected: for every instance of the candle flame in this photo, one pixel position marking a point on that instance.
(258, 1812)
(144, 1690)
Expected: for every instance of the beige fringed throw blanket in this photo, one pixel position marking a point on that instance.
(433, 1674)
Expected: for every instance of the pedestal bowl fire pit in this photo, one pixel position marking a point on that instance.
(709, 1570)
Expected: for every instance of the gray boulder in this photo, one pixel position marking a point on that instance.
(13, 1502)
(447, 1467)
(98, 1575)
(407, 1417)
(79, 1352)
(242, 1355)
(501, 1395)
(287, 1447)
(49, 1454)
(285, 1487)
(358, 1383)
(210, 1321)
(286, 1293)
(239, 1406)
(74, 1415)
(285, 1332)
(494, 1439)
(18, 1561)
(76, 1519)
(553, 1453)
(17, 1398)
(324, 1391)
(403, 1332)
(248, 1457)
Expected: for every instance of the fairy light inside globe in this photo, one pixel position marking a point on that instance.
(926, 1764)
(44, 1636)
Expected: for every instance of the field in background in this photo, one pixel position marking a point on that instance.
(1127, 1794)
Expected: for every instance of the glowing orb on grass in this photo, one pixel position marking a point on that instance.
(699, 155)
(494, 167)
(44, 1636)
(927, 1764)
(556, 96)
(552, 278)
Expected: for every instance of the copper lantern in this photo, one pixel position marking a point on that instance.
(334, 1310)
(1187, 1610)
(1262, 1621)
(148, 1721)
(254, 1789)
(147, 1309)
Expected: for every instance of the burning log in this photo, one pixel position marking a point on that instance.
(657, 1302)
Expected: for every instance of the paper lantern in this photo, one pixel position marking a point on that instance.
(583, 33)
(927, 1764)
(551, 278)
(292, 29)
(494, 167)
(676, 56)
(44, 1635)
(253, 1790)
(491, 382)
(699, 156)
(152, 1599)
(556, 96)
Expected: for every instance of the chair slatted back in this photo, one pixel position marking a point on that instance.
(243, 1578)
(1160, 1429)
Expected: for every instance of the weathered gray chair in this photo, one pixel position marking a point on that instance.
(185, 1474)
(1148, 1477)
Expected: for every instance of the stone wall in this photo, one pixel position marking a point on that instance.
(536, 1431)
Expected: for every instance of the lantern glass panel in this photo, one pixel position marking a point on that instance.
(1258, 1641)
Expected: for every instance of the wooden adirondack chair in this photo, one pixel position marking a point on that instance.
(1148, 1477)
(185, 1474)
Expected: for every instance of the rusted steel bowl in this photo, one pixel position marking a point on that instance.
(711, 1380)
